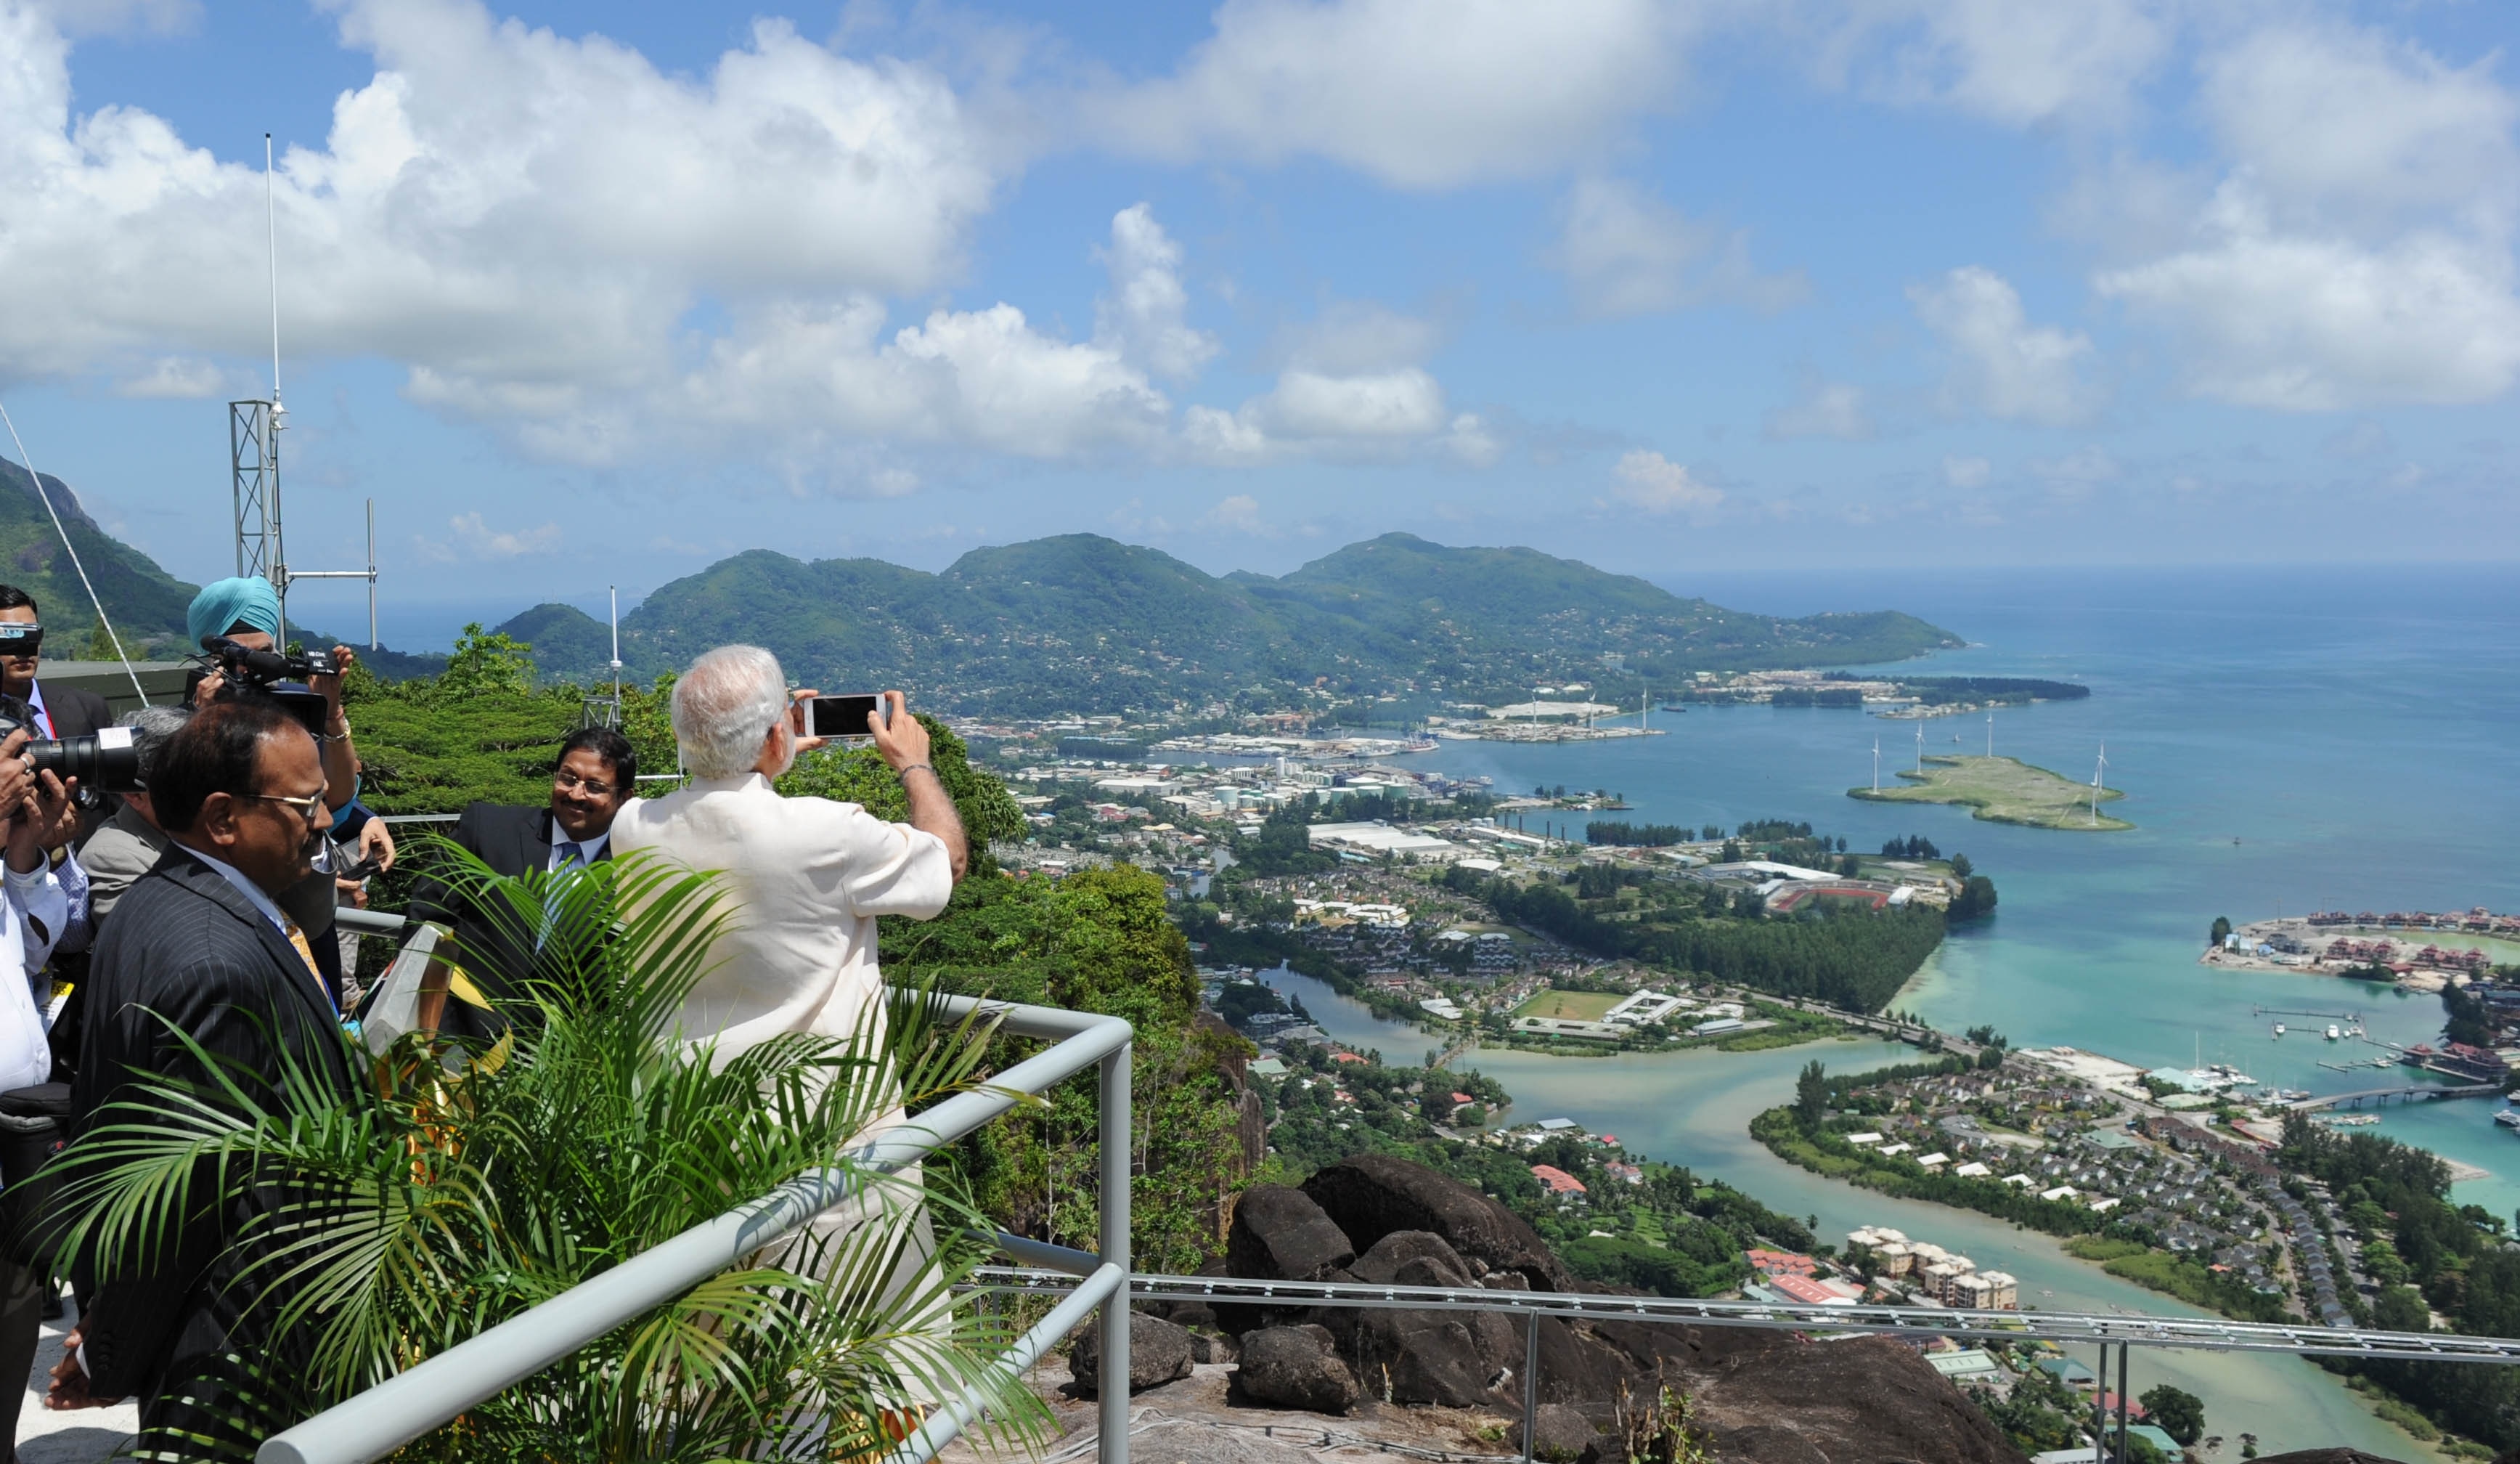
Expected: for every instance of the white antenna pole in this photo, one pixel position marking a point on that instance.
(271, 240)
(372, 573)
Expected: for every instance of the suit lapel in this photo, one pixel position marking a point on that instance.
(537, 843)
(213, 887)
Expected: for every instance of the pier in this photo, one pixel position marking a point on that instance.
(2267, 1011)
(2412, 1093)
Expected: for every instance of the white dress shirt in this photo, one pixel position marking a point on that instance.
(807, 877)
(588, 850)
(32, 914)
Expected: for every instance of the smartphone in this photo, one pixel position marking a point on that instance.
(843, 716)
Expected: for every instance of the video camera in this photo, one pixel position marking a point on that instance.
(104, 762)
(280, 677)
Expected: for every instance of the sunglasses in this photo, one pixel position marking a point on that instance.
(19, 638)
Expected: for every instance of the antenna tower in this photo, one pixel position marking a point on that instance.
(605, 710)
(254, 462)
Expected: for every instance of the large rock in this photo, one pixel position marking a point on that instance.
(1293, 1367)
(2326, 1456)
(1374, 1195)
(1158, 1352)
(1559, 1435)
(1279, 1234)
(1445, 1357)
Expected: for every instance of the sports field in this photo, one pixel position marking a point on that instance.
(1568, 1006)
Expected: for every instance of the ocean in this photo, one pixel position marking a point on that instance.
(2287, 739)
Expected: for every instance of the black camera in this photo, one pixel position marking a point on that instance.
(105, 762)
(278, 676)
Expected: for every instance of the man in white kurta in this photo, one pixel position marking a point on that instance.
(807, 875)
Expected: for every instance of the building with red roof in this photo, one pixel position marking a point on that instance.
(1557, 1180)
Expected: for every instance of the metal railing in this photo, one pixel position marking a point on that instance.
(402, 1408)
(409, 1404)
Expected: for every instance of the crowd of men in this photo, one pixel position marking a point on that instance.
(192, 922)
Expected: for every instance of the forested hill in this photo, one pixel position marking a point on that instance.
(145, 602)
(1085, 623)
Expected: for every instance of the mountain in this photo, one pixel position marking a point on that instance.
(146, 602)
(1081, 622)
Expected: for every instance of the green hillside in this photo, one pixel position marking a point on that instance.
(1085, 623)
(147, 604)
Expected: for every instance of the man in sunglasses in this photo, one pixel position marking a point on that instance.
(597, 774)
(61, 710)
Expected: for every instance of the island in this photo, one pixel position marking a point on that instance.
(2003, 790)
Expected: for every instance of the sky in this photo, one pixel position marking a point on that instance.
(586, 294)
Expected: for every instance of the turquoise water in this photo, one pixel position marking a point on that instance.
(2286, 740)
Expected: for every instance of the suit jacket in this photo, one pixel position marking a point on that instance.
(512, 840)
(188, 946)
(74, 711)
(808, 875)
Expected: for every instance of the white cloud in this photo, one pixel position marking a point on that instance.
(1626, 252)
(1999, 363)
(1144, 315)
(1470, 440)
(2077, 475)
(2355, 246)
(1825, 409)
(1649, 480)
(1967, 472)
(1417, 92)
(178, 377)
(523, 219)
(1374, 415)
(1239, 514)
(478, 540)
(2001, 60)
(2348, 123)
(2302, 323)
(1352, 337)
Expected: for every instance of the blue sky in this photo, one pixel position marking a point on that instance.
(597, 293)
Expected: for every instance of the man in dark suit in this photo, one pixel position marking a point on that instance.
(597, 774)
(199, 944)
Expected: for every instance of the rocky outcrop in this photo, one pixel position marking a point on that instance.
(1293, 1367)
(1764, 1398)
(2326, 1456)
(1560, 1435)
(1160, 1351)
(1374, 1195)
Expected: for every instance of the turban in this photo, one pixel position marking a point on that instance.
(223, 603)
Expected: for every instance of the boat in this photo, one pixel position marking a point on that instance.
(2280, 1029)
(2332, 1032)
(2509, 1118)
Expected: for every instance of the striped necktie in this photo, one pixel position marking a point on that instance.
(571, 856)
(305, 953)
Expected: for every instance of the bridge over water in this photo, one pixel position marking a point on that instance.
(2412, 1093)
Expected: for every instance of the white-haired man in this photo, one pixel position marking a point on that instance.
(807, 875)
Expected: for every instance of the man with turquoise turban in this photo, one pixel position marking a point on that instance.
(247, 611)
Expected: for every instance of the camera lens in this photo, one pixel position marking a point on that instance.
(106, 760)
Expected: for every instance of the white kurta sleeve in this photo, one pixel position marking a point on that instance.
(43, 912)
(890, 868)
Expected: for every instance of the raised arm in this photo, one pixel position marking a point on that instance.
(902, 740)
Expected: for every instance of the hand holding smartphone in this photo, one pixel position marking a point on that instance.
(844, 716)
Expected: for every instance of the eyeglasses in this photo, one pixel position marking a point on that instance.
(19, 630)
(592, 789)
(310, 807)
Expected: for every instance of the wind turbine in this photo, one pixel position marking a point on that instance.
(1877, 764)
(1920, 748)
(1990, 732)
(2096, 782)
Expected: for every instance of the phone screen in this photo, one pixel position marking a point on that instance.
(842, 716)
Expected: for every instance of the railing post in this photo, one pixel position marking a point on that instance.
(2124, 1350)
(1112, 1446)
(1530, 1381)
(2100, 1409)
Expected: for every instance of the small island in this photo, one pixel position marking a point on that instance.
(2003, 790)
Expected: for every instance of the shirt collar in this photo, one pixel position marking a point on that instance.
(248, 889)
(35, 701)
(589, 850)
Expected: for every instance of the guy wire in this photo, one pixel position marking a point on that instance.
(37, 479)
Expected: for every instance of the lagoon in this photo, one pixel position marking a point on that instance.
(2287, 739)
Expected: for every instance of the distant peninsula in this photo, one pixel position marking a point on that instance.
(1083, 623)
(2002, 790)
